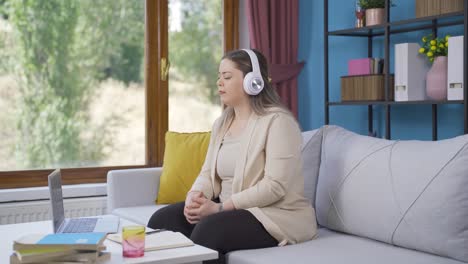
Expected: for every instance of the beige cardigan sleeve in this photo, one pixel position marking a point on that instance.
(282, 156)
(203, 181)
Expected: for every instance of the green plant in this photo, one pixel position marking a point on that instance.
(55, 65)
(433, 47)
(201, 23)
(369, 4)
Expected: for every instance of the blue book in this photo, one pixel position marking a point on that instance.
(77, 241)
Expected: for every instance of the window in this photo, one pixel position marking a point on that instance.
(73, 92)
(193, 98)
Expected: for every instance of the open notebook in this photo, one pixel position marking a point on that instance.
(160, 240)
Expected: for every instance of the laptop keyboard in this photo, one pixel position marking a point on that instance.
(80, 225)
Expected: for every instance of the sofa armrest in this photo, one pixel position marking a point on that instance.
(132, 187)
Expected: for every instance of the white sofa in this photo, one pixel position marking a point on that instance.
(377, 201)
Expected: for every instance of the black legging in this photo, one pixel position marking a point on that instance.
(224, 232)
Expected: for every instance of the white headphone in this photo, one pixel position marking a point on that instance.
(253, 81)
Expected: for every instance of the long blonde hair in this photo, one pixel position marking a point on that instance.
(267, 99)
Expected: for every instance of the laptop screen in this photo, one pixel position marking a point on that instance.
(56, 198)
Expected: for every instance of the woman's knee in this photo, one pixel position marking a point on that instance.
(209, 233)
(165, 216)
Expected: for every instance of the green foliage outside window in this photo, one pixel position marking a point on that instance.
(196, 47)
(60, 50)
(63, 48)
(53, 92)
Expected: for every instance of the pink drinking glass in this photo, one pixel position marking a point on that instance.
(133, 241)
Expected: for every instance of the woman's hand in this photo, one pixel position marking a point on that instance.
(207, 207)
(190, 196)
(198, 206)
(190, 205)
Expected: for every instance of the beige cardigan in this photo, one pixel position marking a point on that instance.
(268, 178)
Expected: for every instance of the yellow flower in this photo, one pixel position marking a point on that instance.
(430, 54)
(421, 50)
(441, 45)
(424, 39)
(446, 44)
(433, 42)
(447, 37)
(433, 47)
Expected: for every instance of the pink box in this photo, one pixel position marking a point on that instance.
(359, 66)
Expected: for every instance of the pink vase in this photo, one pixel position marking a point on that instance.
(436, 79)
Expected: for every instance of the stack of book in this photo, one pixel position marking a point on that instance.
(60, 248)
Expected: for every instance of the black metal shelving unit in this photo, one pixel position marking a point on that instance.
(387, 29)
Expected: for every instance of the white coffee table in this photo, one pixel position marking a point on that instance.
(193, 254)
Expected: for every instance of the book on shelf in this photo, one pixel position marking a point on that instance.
(159, 240)
(365, 66)
(359, 66)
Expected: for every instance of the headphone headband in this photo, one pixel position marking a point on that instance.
(253, 81)
(254, 60)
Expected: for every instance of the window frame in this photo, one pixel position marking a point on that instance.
(156, 101)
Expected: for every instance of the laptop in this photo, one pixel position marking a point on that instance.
(105, 223)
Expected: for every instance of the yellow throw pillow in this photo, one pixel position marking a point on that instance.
(184, 155)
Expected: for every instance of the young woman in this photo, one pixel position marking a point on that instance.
(249, 193)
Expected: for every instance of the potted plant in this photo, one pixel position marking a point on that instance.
(375, 11)
(435, 49)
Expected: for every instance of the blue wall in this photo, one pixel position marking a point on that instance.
(408, 121)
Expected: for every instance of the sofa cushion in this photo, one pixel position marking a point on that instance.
(336, 248)
(138, 214)
(412, 194)
(311, 149)
(184, 155)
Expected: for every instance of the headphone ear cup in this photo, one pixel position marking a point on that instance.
(248, 83)
(253, 84)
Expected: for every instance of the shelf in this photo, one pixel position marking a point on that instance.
(402, 26)
(427, 102)
(357, 103)
(384, 33)
(415, 24)
(396, 103)
(377, 30)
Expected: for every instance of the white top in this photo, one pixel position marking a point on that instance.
(226, 165)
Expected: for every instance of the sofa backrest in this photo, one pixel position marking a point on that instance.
(411, 193)
(311, 149)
